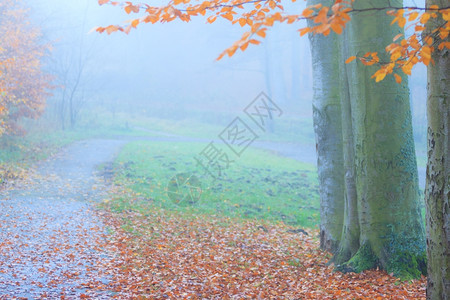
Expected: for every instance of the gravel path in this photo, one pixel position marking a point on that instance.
(50, 239)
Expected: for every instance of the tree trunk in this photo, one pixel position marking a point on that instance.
(437, 191)
(350, 231)
(391, 229)
(328, 131)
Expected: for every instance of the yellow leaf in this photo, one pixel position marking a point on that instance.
(211, 19)
(419, 28)
(446, 15)
(322, 16)
(244, 46)
(424, 18)
(336, 28)
(397, 36)
(426, 52)
(379, 75)
(262, 32)
(110, 29)
(413, 16)
(228, 16)
(307, 12)
(304, 31)
(272, 4)
(221, 56)
(444, 44)
(135, 23)
(350, 59)
(398, 79)
(407, 69)
(231, 51)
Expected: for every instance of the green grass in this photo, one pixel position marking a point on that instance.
(258, 185)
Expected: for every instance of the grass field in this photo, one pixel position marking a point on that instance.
(258, 185)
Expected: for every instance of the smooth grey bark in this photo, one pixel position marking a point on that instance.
(350, 232)
(364, 135)
(392, 236)
(437, 190)
(328, 132)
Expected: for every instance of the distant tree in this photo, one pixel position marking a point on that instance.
(23, 83)
(70, 64)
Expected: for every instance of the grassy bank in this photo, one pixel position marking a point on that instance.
(258, 185)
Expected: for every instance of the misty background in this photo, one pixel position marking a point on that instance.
(169, 72)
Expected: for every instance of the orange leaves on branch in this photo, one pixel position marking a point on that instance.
(131, 8)
(404, 53)
(325, 19)
(418, 48)
(259, 15)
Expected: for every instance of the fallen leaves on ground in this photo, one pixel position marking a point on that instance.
(169, 255)
(10, 174)
(51, 252)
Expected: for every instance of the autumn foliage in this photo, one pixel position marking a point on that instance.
(169, 255)
(23, 84)
(259, 15)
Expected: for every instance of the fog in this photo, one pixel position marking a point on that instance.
(173, 66)
(151, 169)
(169, 71)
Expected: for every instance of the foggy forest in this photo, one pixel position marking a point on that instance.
(224, 149)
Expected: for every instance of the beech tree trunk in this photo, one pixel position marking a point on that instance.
(370, 210)
(328, 132)
(350, 232)
(391, 231)
(437, 190)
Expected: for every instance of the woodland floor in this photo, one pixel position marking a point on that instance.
(55, 242)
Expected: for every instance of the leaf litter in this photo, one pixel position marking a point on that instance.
(164, 254)
(52, 245)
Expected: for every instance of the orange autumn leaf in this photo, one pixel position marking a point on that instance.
(304, 31)
(398, 79)
(350, 59)
(325, 20)
(262, 32)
